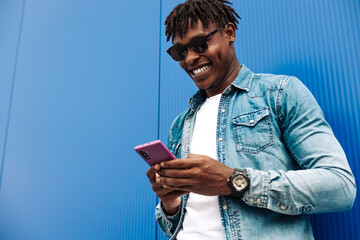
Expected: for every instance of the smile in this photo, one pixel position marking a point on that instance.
(202, 69)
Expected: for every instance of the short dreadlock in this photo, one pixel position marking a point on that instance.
(207, 11)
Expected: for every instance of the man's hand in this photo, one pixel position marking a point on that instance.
(170, 199)
(198, 173)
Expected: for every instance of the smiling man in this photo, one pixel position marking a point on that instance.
(254, 153)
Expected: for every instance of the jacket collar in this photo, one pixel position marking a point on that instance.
(243, 79)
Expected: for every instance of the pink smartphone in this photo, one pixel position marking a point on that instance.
(154, 152)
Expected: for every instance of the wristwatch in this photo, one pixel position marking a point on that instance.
(239, 183)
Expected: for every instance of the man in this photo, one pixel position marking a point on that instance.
(255, 155)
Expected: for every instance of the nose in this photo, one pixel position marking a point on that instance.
(191, 57)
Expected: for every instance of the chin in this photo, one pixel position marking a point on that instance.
(203, 86)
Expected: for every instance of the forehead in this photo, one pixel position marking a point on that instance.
(196, 30)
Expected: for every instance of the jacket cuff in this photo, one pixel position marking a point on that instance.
(258, 192)
(167, 223)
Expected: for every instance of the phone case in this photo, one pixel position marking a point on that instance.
(154, 152)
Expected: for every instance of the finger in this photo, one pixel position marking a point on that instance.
(157, 167)
(157, 178)
(150, 173)
(175, 183)
(158, 186)
(185, 189)
(176, 173)
(160, 190)
(177, 163)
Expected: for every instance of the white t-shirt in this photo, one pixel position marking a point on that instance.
(202, 218)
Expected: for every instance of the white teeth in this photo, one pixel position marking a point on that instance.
(199, 70)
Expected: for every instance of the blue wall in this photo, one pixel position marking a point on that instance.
(83, 82)
(85, 93)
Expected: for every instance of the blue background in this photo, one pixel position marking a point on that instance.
(83, 82)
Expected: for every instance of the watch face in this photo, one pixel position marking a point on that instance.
(239, 182)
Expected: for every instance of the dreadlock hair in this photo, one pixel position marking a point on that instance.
(191, 11)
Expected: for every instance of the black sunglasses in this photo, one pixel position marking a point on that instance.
(197, 44)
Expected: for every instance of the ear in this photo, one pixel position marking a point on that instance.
(230, 32)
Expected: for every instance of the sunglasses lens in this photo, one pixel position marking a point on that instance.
(178, 53)
(199, 44)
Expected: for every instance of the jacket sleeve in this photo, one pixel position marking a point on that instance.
(325, 182)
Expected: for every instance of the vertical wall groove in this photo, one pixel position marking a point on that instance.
(11, 93)
(159, 95)
(159, 70)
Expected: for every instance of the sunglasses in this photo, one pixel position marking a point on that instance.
(197, 44)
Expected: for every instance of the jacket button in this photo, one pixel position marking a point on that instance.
(224, 207)
(220, 139)
(251, 200)
(282, 207)
(251, 121)
(222, 110)
(258, 200)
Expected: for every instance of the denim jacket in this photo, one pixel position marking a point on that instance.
(272, 126)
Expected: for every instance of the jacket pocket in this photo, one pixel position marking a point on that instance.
(253, 131)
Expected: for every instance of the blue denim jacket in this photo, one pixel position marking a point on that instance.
(272, 126)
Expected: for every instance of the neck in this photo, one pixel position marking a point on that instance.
(229, 78)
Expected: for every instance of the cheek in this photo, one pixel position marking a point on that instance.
(182, 65)
(218, 55)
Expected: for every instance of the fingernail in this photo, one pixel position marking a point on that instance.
(157, 180)
(164, 186)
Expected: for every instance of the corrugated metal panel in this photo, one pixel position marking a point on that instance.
(10, 23)
(86, 93)
(316, 41)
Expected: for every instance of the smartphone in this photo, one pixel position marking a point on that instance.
(154, 152)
